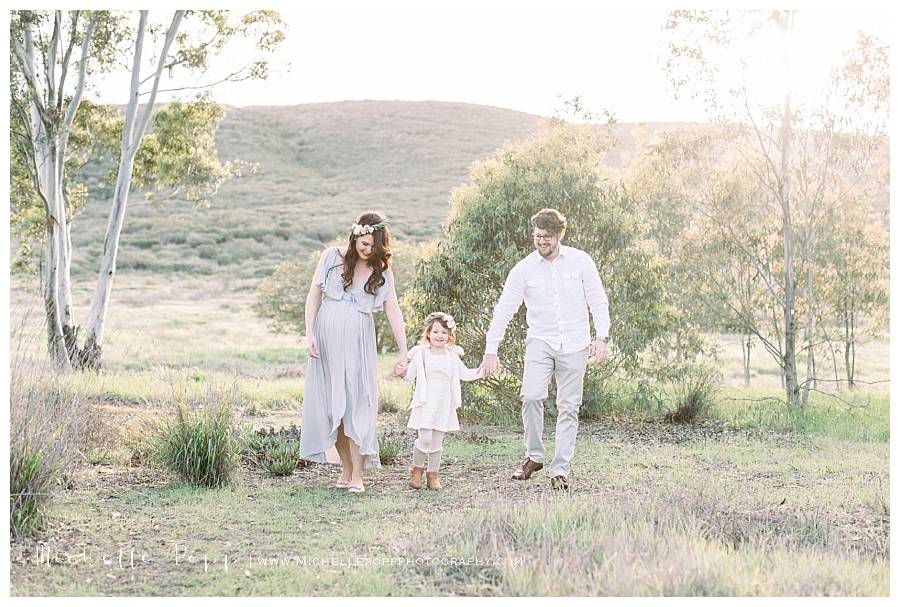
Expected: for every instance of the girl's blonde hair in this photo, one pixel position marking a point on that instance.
(445, 320)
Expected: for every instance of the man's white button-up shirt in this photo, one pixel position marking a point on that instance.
(557, 296)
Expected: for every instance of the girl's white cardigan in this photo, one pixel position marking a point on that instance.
(458, 372)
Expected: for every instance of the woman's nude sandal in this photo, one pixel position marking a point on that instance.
(355, 489)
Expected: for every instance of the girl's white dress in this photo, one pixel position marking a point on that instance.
(434, 408)
(437, 413)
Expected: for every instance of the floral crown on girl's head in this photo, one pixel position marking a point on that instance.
(361, 230)
(446, 318)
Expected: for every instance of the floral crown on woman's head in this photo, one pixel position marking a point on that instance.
(446, 318)
(361, 230)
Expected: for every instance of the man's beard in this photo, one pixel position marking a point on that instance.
(550, 251)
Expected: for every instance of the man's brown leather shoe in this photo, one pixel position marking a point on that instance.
(559, 483)
(526, 469)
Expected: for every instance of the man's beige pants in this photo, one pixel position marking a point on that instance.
(542, 362)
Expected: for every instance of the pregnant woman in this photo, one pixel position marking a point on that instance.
(341, 393)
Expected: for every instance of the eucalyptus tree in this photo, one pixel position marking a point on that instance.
(180, 157)
(805, 159)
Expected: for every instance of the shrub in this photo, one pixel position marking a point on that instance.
(276, 452)
(48, 426)
(389, 446)
(603, 397)
(200, 447)
(489, 232)
(282, 457)
(31, 481)
(693, 396)
(493, 401)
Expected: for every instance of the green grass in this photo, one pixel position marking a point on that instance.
(860, 416)
(608, 545)
(757, 515)
(200, 446)
(753, 501)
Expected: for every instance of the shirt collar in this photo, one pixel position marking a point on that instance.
(536, 257)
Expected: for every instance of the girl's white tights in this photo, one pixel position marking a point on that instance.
(430, 443)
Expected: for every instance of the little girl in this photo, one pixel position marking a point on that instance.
(436, 366)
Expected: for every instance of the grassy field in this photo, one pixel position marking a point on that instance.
(653, 512)
(750, 502)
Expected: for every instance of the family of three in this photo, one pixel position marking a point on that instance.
(559, 286)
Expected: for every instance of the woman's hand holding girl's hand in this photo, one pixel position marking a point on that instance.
(400, 367)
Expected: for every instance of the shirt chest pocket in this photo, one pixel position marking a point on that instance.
(571, 284)
(536, 289)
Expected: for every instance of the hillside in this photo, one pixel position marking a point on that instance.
(319, 166)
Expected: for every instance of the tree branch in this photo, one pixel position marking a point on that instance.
(25, 58)
(51, 58)
(174, 63)
(132, 108)
(204, 86)
(82, 71)
(170, 38)
(66, 58)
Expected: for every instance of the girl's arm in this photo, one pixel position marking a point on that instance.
(466, 374)
(413, 364)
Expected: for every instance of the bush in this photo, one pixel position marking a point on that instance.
(603, 397)
(276, 452)
(389, 446)
(693, 396)
(47, 435)
(493, 401)
(489, 232)
(200, 447)
(31, 482)
(282, 457)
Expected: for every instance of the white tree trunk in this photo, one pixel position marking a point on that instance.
(746, 345)
(136, 121)
(791, 384)
(810, 331)
(50, 122)
(47, 158)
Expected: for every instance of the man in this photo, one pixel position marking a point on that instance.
(558, 284)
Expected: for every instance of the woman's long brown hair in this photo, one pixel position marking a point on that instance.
(381, 258)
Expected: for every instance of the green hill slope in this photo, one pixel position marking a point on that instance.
(319, 166)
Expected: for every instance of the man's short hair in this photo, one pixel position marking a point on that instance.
(549, 220)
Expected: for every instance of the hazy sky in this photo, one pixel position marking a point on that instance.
(520, 55)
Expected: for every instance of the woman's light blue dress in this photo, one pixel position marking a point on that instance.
(342, 383)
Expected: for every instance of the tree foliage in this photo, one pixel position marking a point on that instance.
(281, 297)
(489, 232)
(169, 152)
(786, 173)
